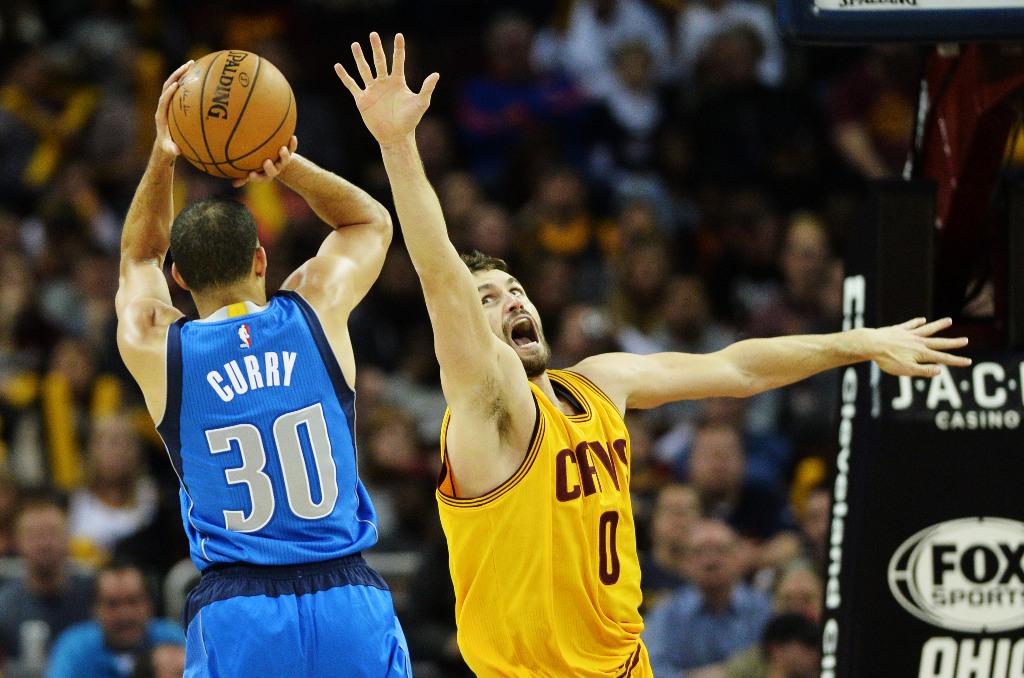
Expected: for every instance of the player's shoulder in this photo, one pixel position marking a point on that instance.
(603, 365)
(609, 374)
(321, 281)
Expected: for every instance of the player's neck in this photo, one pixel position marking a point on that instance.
(544, 384)
(210, 301)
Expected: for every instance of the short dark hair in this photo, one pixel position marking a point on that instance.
(212, 243)
(119, 564)
(477, 261)
(790, 628)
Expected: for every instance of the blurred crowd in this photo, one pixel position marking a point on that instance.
(662, 175)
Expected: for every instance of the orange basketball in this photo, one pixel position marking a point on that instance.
(233, 110)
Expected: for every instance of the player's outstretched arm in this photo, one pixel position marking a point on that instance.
(755, 365)
(351, 257)
(483, 379)
(465, 345)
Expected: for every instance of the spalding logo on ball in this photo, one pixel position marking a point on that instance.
(233, 110)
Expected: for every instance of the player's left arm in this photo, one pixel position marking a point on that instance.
(351, 257)
(143, 301)
(755, 365)
(146, 236)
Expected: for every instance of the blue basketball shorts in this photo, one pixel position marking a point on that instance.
(334, 618)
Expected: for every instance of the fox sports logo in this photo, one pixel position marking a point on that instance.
(963, 575)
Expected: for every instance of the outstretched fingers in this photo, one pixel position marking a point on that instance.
(427, 89)
(927, 329)
(944, 344)
(351, 85)
(380, 62)
(913, 323)
(943, 358)
(361, 65)
(398, 58)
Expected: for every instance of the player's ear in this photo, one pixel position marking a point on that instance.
(177, 277)
(259, 262)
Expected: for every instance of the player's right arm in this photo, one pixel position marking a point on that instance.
(350, 257)
(484, 382)
(143, 301)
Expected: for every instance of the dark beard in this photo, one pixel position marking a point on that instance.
(537, 365)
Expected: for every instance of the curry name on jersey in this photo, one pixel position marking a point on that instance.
(259, 425)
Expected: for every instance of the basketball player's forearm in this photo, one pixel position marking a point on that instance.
(780, 361)
(419, 211)
(147, 228)
(336, 201)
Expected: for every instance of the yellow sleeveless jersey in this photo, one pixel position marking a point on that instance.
(547, 580)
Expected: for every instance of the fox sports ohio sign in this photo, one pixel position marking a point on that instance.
(963, 575)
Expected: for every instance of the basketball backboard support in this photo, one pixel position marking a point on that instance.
(853, 22)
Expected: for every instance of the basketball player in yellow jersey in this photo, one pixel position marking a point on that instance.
(534, 497)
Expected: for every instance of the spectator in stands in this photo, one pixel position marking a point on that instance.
(647, 475)
(429, 618)
(747, 133)
(560, 220)
(44, 108)
(25, 336)
(119, 497)
(684, 322)
(582, 41)
(415, 384)
(872, 109)
(805, 411)
(744, 278)
(791, 646)
(123, 629)
(676, 511)
(628, 120)
(806, 257)
(51, 596)
(513, 119)
(489, 228)
(165, 660)
(10, 495)
(815, 525)
(642, 271)
(759, 515)
(697, 23)
(584, 330)
(395, 470)
(72, 393)
(799, 591)
(716, 617)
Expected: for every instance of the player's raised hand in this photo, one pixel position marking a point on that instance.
(389, 108)
(910, 349)
(163, 132)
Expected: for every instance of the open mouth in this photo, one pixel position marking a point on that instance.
(523, 332)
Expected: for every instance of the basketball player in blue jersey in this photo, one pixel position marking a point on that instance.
(255, 406)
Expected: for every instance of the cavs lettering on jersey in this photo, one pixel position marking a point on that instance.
(547, 581)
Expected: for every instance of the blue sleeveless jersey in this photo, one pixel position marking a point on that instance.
(260, 426)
